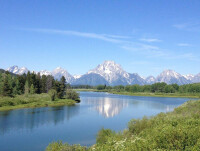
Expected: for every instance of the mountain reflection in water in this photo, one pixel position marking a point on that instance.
(107, 107)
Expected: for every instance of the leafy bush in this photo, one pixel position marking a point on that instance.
(52, 93)
(136, 126)
(59, 146)
(71, 94)
(103, 134)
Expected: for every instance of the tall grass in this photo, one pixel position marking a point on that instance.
(31, 100)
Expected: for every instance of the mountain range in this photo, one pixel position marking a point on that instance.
(111, 73)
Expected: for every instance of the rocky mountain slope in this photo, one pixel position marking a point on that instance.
(111, 73)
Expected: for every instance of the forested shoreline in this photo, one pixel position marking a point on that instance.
(34, 90)
(157, 89)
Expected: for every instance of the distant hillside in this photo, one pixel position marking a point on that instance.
(3, 71)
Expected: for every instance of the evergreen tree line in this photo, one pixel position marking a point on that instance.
(154, 88)
(31, 83)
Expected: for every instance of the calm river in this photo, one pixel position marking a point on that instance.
(33, 129)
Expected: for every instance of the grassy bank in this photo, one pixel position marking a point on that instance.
(177, 130)
(187, 95)
(30, 101)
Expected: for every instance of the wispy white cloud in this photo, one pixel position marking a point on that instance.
(146, 50)
(150, 51)
(104, 37)
(184, 56)
(195, 27)
(116, 36)
(150, 40)
(188, 56)
(183, 44)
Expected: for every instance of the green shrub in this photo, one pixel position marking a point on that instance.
(59, 146)
(103, 135)
(135, 126)
(52, 93)
(71, 94)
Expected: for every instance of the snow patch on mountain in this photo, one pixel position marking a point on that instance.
(171, 77)
(77, 76)
(189, 76)
(45, 72)
(16, 70)
(59, 72)
(150, 80)
(196, 78)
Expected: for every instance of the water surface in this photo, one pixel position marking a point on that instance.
(33, 129)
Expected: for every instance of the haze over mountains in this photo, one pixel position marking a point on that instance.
(111, 73)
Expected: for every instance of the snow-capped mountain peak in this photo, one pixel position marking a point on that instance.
(59, 72)
(196, 78)
(110, 70)
(111, 73)
(16, 70)
(171, 77)
(170, 73)
(189, 76)
(13, 69)
(150, 80)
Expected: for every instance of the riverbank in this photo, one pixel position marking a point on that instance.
(177, 130)
(176, 95)
(182, 95)
(32, 101)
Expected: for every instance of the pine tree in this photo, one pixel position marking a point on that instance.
(28, 78)
(32, 89)
(57, 87)
(26, 88)
(22, 81)
(38, 86)
(49, 82)
(62, 85)
(1, 83)
(17, 86)
(6, 89)
(43, 83)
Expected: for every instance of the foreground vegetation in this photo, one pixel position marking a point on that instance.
(32, 90)
(177, 130)
(31, 101)
(157, 90)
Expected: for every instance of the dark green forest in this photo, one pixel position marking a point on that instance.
(34, 90)
(12, 85)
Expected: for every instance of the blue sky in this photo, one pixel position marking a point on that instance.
(144, 36)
